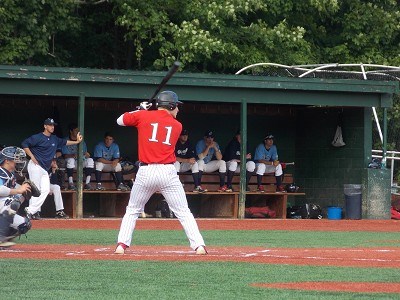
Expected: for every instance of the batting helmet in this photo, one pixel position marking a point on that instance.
(292, 188)
(16, 154)
(168, 100)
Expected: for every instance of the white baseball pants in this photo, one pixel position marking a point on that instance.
(234, 166)
(212, 166)
(55, 190)
(41, 178)
(108, 167)
(87, 163)
(184, 167)
(164, 179)
(263, 168)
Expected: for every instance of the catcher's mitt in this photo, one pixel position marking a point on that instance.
(35, 192)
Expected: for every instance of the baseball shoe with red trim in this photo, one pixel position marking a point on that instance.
(120, 248)
(280, 189)
(260, 189)
(223, 189)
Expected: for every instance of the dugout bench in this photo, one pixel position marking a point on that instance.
(213, 204)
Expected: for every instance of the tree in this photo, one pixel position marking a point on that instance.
(205, 35)
(28, 29)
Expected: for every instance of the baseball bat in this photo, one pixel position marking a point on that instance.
(164, 81)
(286, 164)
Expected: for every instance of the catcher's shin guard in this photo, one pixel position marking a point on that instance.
(6, 220)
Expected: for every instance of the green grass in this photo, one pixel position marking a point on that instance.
(256, 238)
(174, 280)
(69, 279)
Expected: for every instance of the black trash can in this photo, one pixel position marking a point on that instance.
(353, 196)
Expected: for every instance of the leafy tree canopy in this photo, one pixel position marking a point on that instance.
(205, 35)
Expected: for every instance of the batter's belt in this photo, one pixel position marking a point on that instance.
(141, 164)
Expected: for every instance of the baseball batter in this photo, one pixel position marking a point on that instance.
(158, 133)
(42, 148)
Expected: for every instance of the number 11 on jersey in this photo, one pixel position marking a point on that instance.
(155, 133)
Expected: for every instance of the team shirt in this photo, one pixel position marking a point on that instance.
(44, 147)
(201, 145)
(73, 149)
(232, 151)
(158, 133)
(184, 150)
(270, 154)
(108, 153)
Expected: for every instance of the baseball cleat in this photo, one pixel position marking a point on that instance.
(71, 187)
(260, 189)
(6, 244)
(61, 215)
(223, 189)
(280, 189)
(120, 249)
(99, 187)
(229, 189)
(87, 187)
(199, 190)
(201, 250)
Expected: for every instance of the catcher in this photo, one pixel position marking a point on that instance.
(12, 195)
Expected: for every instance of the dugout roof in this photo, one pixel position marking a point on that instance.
(120, 84)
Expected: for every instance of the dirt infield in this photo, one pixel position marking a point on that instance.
(356, 257)
(331, 286)
(228, 224)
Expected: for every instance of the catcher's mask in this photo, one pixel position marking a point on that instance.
(15, 154)
(168, 100)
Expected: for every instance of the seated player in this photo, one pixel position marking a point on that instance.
(106, 155)
(186, 159)
(266, 159)
(210, 159)
(70, 154)
(55, 190)
(232, 158)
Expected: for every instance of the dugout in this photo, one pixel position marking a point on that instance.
(301, 112)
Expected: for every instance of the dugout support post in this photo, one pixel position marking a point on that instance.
(81, 125)
(243, 152)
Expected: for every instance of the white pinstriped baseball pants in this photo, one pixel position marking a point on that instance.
(163, 178)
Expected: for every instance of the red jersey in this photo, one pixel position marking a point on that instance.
(158, 132)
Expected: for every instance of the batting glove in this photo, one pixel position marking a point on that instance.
(144, 105)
